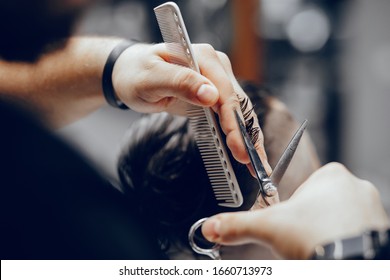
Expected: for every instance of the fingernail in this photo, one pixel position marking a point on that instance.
(207, 94)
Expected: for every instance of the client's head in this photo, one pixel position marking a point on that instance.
(161, 167)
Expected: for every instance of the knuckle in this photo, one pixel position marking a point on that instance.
(223, 58)
(335, 171)
(208, 50)
(369, 188)
(335, 167)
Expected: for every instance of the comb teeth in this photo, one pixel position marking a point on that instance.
(203, 122)
(175, 35)
(221, 175)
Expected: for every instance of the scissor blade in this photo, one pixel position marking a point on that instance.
(253, 155)
(287, 155)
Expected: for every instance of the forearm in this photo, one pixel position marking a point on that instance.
(64, 85)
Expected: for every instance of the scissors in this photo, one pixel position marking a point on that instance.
(267, 189)
(267, 184)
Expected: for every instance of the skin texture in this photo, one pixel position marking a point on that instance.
(159, 157)
(65, 85)
(158, 86)
(331, 204)
(61, 78)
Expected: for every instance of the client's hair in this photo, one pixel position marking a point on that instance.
(161, 166)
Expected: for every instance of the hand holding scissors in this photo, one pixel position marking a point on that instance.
(267, 184)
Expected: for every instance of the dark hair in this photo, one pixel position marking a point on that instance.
(29, 28)
(160, 166)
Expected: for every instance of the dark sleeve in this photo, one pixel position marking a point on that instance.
(369, 245)
(55, 206)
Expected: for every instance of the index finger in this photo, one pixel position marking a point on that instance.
(216, 67)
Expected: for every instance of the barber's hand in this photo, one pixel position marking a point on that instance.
(331, 204)
(146, 82)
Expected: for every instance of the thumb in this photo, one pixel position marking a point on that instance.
(190, 86)
(238, 228)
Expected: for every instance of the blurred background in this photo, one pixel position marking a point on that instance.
(329, 61)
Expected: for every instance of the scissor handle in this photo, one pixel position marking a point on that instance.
(212, 252)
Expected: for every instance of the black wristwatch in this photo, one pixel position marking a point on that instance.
(368, 246)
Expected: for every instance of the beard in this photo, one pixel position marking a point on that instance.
(29, 28)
